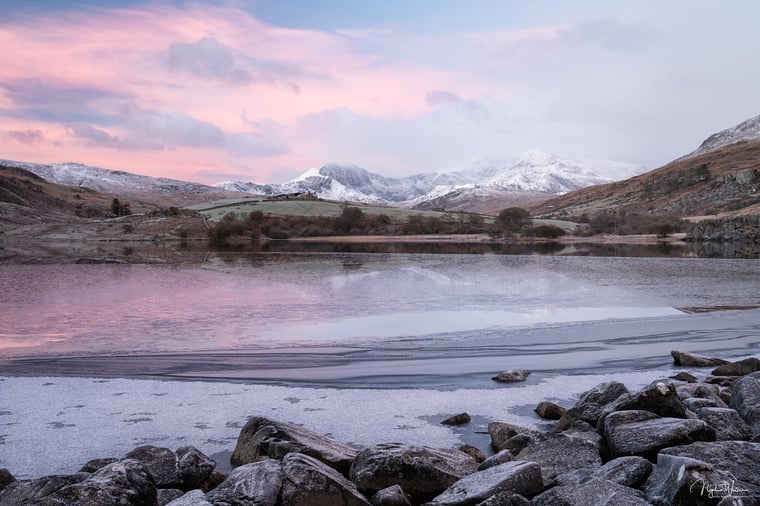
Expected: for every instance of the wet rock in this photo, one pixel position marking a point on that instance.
(638, 432)
(745, 399)
(256, 483)
(724, 381)
(193, 467)
(263, 438)
(460, 419)
(21, 492)
(728, 425)
(740, 368)
(6, 478)
(682, 481)
(519, 477)
(166, 495)
(700, 391)
(725, 396)
(594, 491)
(685, 376)
(122, 483)
(501, 432)
(589, 406)
(691, 360)
(559, 453)
(391, 496)
(421, 471)
(192, 498)
(659, 397)
(95, 464)
(494, 460)
(505, 498)
(161, 464)
(549, 410)
(511, 376)
(627, 471)
(473, 452)
(310, 482)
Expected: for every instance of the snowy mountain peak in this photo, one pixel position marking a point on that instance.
(745, 131)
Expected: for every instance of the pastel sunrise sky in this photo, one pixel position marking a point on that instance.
(261, 91)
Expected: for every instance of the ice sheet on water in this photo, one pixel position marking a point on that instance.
(55, 424)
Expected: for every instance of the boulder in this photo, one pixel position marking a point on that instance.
(391, 496)
(724, 381)
(193, 467)
(590, 404)
(691, 360)
(505, 498)
(166, 495)
(460, 419)
(421, 471)
(161, 464)
(256, 483)
(549, 410)
(494, 460)
(21, 492)
(595, 491)
(745, 399)
(6, 478)
(501, 432)
(310, 482)
(638, 432)
(684, 376)
(629, 471)
(511, 376)
(519, 477)
(192, 498)
(699, 391)
(122, 483)
(95, 464)
(559, 453)
(728, 425)
(263, 438)
(740, 368)
(659, 397)
(474, 452)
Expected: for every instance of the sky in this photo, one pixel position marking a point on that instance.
(263, 90)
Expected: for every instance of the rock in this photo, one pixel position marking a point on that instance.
(728, 425)
(214, 480)
(193, 467)
(391, 496)
(6, 478)
(310, 482)
(21, 492)
(95, 464)
(264, 438)
(659, 397)
(473, 452)
(724, 381)
(505, 498)
(693, 404)
(589, 406)
(595, 491)
(638, 432)
(494, 460)
(627, 471)
(192, 498)
(511, 376)
(161, 464)
(549, 410)
(699, 391)
(421, 471)
(745, 399)
(257, 483)
(501, 432)
(121, 483)
(691, 360)
(519, 477)
(685, 376)
(725, 396)
(166, 495)
(559, 453)
(740, 368)
(460, 419)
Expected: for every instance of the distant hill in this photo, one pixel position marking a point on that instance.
(722, 176)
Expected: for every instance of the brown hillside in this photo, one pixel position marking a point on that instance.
(725, 180)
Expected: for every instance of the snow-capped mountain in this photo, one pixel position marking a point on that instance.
(535, 172)
(745, 131)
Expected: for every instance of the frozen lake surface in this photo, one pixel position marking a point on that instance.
(367, 347)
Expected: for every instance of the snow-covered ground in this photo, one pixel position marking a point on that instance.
(54, 425)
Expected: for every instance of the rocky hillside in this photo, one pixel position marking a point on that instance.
(721, 177)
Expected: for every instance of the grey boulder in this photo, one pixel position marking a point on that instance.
(310, 482)
(256, 483)
(596, 492)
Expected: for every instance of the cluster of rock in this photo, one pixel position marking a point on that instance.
(674, 442)
(737, 229)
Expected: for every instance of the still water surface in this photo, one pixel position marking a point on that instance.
(349, 318)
